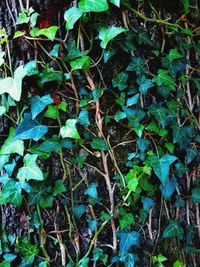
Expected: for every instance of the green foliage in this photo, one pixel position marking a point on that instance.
(99, 134)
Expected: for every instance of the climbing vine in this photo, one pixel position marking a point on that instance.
(99, 149)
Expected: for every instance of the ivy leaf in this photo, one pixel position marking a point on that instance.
(22, 18)
(93, 5)
(173, 230)
(79, 210)
(11, 146)
(115, 2)
(195, 195)
(38, 104)
(83, 118)
(137, 65)
(161, 166)
(109, 33)
(144, 84)
(173, 54)
(33, 19)
(5, 263)
(50, 32)
(30, 171)
(70, 130)
(91, 191)
(52, 112)
(159, 113)
(126, 220)
(13, 86)
(59, 187)
(82, 63)
(11, 193)
(99, 144)
(71, 16)
(120, 80)
(3, 160)
(132, 100)
(169, 188)
(30, 129)
(127, 240)
(164, 79)
(28, 250)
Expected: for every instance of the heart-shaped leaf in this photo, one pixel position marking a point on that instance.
(38, 104)
(106, 34)
(93, 5)
(70, 130)
(11, 193)
(30, 171)
(30, 129)
(71, 16)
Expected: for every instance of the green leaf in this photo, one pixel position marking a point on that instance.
(144, 84)
(159, 113)
(82, 63)
(91, 191)
(93, 5)
(30, 129)
(22, 18)
(137, 65)
(18, 34)
(164, 79)
(38, 104)
(27, 249)
(115, 2)
(54, 52)
(126, 219)
(49, 75)
(161, 166)
(83, 118)
(70, 130)
(127, 240)
(11, 146)
(169, 188)
(71, 16)
(178, 264)
(186, 4)
(132, 100)
(99, 144)
(109, 33)
(132, 184)
(59, 187)
(33, 19)
(173, 54)
(13, 86)
(11, 193)
(50, 32)
(5, 263)
(79, 210)
(195, 195)
(3, 160)
(52, 112)
(30, 171)
(173, 230)
(120, 81)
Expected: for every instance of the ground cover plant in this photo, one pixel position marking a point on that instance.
(99, 127)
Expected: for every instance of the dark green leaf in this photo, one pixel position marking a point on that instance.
(30, 129)
(27, 249)
(99, 144)
(11, 193)
(38, 104)
(173, 230)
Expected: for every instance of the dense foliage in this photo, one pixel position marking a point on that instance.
(99, 140)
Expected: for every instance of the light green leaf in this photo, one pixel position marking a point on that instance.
(11, 193)
(71, 16)
(164, 78)
(19, 34)
(70, 130)
(22, 18)
(173, 230)
(115, 2)
(109, 33)
(28, 250)
(30, 171)
(82, 63)
(52, 112)
(161, 166)
(33, 19)
(93, 5)
(11, 146)
(50, 32)
(13, 86)
(173, 54)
